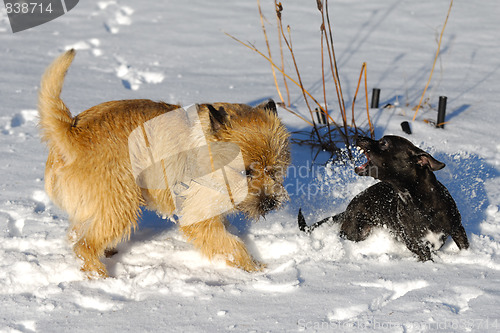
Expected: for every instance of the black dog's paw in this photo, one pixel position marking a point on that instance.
(422, 251)
(302, 222)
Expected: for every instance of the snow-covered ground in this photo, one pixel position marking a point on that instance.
(176, 51)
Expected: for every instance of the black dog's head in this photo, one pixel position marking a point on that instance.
(395, 158)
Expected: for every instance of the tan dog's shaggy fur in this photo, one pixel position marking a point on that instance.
(88, 171)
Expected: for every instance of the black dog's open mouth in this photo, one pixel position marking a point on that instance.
(363, 169)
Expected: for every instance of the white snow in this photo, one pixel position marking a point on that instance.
(176, 51)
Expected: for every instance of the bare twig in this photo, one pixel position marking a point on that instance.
(269, 51)
(363, 72)
(323, 79)
(333, 66)
(253, 48)
(288, 43)
(435, 60)
(279, 8)
(353, 121)
(328, 137)
(336, 72)
(372, 130)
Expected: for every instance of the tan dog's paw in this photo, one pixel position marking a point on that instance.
(251, 265)
(91, 265)
(94, 271)
(239, 257)
(211, 237)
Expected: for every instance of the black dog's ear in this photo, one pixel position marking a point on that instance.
(425, 159)
(269, 105)
(217, 117)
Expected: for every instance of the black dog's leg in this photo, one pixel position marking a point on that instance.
(356, 228)
(308, 229)
(460, 237)
(421, 250)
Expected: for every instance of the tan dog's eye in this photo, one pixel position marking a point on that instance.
(271, 172)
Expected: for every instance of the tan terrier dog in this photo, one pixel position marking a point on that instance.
(108, 161)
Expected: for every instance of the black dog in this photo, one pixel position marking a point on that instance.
(409, 200)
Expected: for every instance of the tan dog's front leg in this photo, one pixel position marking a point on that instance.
(89, 252)
(212, 238)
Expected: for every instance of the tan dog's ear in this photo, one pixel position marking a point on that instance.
(218, 117)
(269, 105)
(425, 159)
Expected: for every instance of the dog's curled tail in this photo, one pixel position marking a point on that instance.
(55, 118)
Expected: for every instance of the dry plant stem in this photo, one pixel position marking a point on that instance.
(323, 73)
(435, 60)
(363, 72)
(372, 130)
(253, 48)
(279, 8)
(333, 68)
(336, 73)
(325, 140)
(297, 115)
(353, 122)
(290, 48)
(330, 56)
(324, 84)
(289, 45)
(269, 51)
(322, 29)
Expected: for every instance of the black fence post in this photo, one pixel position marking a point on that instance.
(441, 112)
(322, 120)
(405, 126)
(375, 98)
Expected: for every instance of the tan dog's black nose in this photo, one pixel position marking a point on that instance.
(268, 204)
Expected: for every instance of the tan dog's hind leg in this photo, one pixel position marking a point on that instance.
(110, 224)
(211, 237)
(95, 241)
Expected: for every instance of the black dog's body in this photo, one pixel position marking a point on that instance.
(409, 200)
